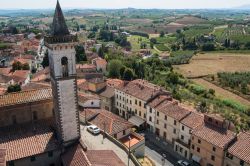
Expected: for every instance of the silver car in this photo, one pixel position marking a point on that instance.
(93, 129)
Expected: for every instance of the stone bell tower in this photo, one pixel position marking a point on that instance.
(61, 47)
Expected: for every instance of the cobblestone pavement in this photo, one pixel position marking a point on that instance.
(96, 143)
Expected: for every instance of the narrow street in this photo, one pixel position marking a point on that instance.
(95, 142)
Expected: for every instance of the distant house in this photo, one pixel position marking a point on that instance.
(101, 64)
(21, 77)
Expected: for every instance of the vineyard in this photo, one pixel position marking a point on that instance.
(239, 34)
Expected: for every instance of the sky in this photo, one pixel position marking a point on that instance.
(115, 4)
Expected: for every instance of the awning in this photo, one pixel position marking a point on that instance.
(136, 120)
(196, 158)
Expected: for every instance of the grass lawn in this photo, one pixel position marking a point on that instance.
(136, 42)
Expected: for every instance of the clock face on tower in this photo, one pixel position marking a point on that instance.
(60, 44)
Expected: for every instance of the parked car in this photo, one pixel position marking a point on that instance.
(93, 129)
(183, 163)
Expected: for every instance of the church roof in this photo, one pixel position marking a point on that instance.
(59, 27)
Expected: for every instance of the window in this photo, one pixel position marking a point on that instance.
(144, 105)
(182, 137)
(64, 63)
(192, 146)
(139, 113)
(130, 101)
(183, 127)
(174, 131)
(135, 102)
(181, 150)
(115, 135)
(92, 103)
(242, 163)
(212, 158)
(157, 122)
(165, 125)
(198, 149)
(32, 158)
(124, 132)
(166, 118)
(135, 111)
(150, 119)
(140, 103)
(50, 154)
(214, 149)
(228, 155)
(150, 110)
(199, 141)
(144, 116)
(174, 122)
(157, 113)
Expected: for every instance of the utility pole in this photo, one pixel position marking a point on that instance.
(129, 149)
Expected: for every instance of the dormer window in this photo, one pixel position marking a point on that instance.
(64, 63)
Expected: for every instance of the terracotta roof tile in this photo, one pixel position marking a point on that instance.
(217, 137)
(22, 140)
(75, 156)
(25, 97)
(140, 89)
(193, 120)
(104, 158)
(113, 123)
(241, 148)
(107, 92)
(173, 110)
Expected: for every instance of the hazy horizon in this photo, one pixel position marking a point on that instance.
(117, 4)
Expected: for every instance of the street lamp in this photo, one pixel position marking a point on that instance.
(163, 159)
(129, 149)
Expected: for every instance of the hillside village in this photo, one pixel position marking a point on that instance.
(141, 86)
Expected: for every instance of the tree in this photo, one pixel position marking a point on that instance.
(114, 68)
(128, 74)
(101, 52)
(14, 88)
(208, 47)
(153, 40)
(45, 62)
(162, 34)
(26, 66)
(80, 54)
(16, 66)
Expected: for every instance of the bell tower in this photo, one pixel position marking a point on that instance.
(61, 48)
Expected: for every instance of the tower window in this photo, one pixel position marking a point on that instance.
(64, 63)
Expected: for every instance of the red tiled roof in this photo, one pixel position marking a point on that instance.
(241, 148)
(75, 156)
(99, 61)
(104, 158)
(24, 140)
(25, 97)
(113, 123)
(193, 120)
(172, 109)
(5, 71)
(217, 137)
(140, 89)
(114, 82)
(85, 66)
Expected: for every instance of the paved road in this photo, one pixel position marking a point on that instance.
(97, 143)
(156, 157)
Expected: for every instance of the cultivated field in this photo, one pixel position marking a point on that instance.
(212, 63)
(220, 92)
(190, 20)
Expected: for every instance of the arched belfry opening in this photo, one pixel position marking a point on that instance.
(65, 69)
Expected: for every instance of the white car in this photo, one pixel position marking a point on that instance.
(93, 129)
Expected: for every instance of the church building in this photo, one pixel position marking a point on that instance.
(37, 132)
